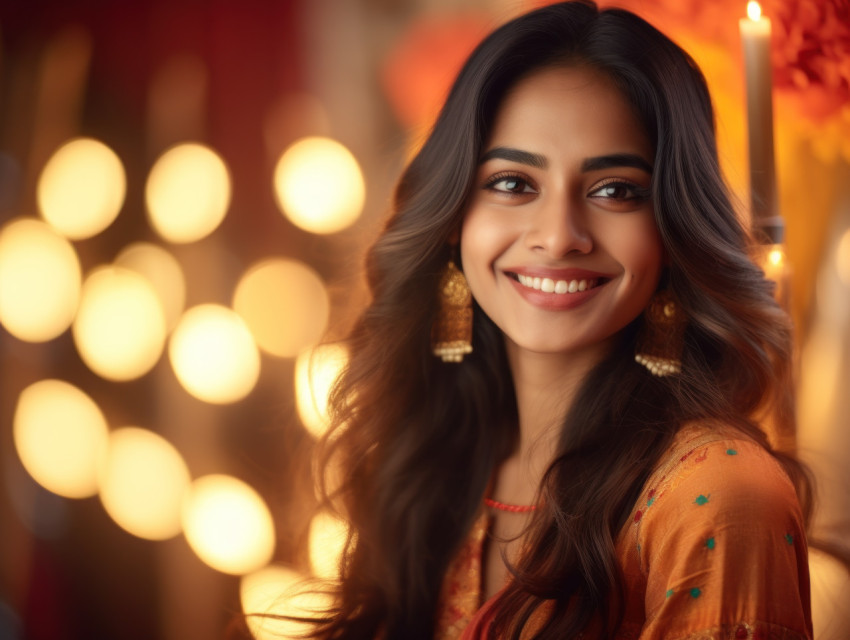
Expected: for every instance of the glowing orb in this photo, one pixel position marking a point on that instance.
(316, 371)
(285, 304)
(40, 281)
(60, 435)
(143, 480)
(278, 590)
(119, 330)
(326, 542)
(228, 525)
(187, 193)
(319, 186)
(214, 355)
(81, 188)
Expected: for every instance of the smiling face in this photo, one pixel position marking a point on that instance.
(559, 243)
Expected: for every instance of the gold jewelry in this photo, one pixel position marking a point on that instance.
(451, 334)
(661, 339)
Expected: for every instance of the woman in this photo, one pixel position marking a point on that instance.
(624, 350)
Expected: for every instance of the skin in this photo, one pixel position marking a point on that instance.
(561, 193)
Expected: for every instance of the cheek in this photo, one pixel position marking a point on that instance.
(638, 247)
(648, 257)
(482, 241)
(471, 254)
(481, 244)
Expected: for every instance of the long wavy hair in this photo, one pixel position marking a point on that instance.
(418, 440)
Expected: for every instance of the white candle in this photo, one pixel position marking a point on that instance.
(755, 40)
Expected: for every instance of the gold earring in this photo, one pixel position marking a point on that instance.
(661, 339)
(451, 333)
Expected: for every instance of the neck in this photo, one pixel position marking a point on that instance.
(545, 387)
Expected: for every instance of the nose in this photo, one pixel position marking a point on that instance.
(559, 227)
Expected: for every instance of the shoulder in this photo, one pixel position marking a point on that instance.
(718, 477)
(720, 537)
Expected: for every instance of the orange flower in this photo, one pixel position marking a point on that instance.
(419, 70)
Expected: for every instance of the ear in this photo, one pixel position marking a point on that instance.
(454, 237)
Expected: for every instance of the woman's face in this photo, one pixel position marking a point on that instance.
(559, 243)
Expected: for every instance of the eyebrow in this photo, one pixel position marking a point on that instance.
(589, 164)
(616, 160)
(516, 155)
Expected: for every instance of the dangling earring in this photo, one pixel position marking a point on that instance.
(661, 339)
(451, 334)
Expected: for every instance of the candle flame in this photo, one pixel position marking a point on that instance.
(754, 10)
(773, 262)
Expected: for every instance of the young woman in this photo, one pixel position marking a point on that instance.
(585, 459)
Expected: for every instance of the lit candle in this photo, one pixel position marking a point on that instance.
(755, 40)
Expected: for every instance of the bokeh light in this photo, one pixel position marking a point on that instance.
(285, 304)
(143, 480)
(316, 372)
(326, 542)
(163, 272)
(60, 435)
(187, 193)
(319, 185)
(776, 256)
(120, 325)
(40, 280)
(228, 525)
(281, 591)
(774, 263)
(842, 258)
(214, 355)
(81, 188)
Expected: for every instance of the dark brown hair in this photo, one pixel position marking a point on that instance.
(418, 440)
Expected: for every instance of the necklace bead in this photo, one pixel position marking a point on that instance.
(510, 508)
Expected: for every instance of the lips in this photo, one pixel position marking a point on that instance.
(557, 289)
(548, 285)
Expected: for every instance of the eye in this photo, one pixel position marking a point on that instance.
(510, 183)
(618, 189)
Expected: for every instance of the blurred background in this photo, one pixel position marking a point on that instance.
(186, 191)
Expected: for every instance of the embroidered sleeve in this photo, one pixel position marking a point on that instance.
(723, 550)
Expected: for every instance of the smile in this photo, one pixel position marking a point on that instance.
(548, 285)
(557, 289)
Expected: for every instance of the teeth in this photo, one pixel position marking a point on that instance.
(547, 285)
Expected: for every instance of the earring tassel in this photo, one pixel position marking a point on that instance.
(451, 334)
(661, 340)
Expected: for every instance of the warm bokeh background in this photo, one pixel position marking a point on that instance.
(158, 312)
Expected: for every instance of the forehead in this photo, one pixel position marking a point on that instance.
(574, 108)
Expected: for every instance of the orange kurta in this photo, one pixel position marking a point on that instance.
(714, 549)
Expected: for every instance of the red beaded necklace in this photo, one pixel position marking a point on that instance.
(511, 508)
